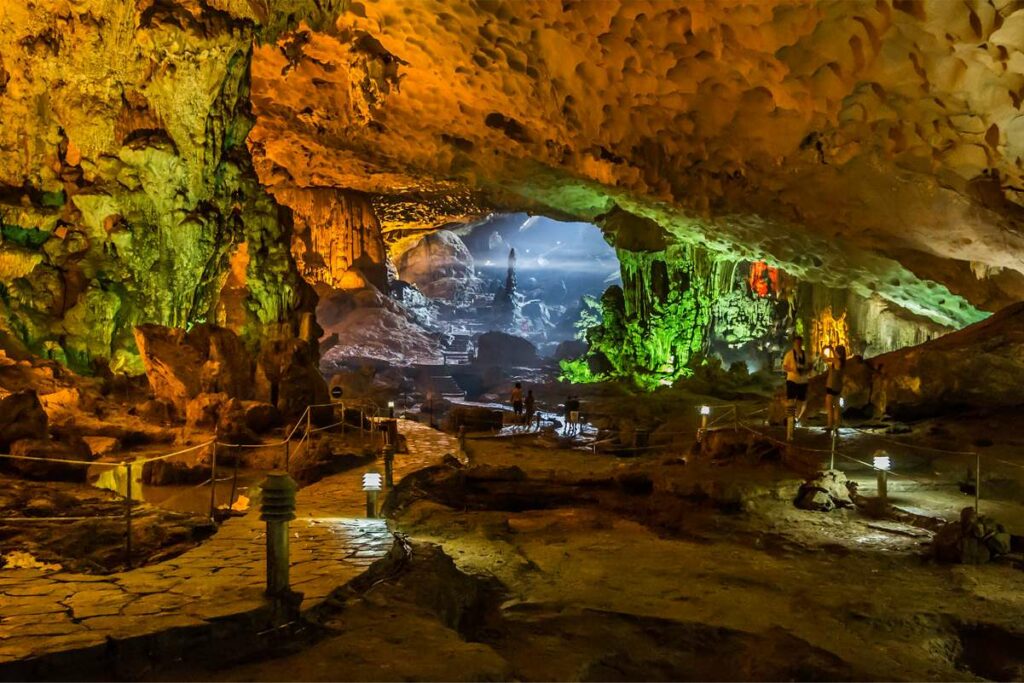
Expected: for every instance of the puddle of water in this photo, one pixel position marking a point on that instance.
(179, 498)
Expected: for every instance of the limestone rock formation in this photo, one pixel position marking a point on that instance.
(288, 376)
(869, 146)
(505, 350)
(41, 450)
(337, 239)
(979, 366)
(21, 417)
(125, 184)
(438, 263)
(182, 365)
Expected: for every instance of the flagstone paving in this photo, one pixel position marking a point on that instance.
(43, 612)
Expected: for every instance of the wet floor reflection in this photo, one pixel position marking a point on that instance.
(190, 498)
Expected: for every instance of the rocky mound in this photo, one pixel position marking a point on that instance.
(981, 366)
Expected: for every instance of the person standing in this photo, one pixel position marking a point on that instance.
(517, 401)
(834, 385)
(530, 407)
(797, 376)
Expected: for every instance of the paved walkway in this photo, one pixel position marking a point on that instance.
(331, 543)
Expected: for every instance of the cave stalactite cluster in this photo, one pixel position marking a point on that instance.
(185, 162)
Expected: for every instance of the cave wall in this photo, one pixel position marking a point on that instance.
(336, 239)
(863, 145)
(127, 193)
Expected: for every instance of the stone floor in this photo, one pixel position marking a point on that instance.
(331, 543)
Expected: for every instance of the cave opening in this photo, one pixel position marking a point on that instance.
(508, 291)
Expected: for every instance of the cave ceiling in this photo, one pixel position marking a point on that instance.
(874, 145)
(149, 149)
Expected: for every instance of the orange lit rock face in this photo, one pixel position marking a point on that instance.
(853, 143)
(336, 239)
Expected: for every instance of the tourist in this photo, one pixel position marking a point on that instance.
(797, 375)
(529, 407)
(834, 384)
(574, 414)
(568, 407)
(517, 401)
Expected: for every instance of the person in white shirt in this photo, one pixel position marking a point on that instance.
(798, 374)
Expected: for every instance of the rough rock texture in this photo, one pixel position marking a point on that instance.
(367, 324)
(288, 377)
(181, 365)
(870, 147)
(825, 492)
(337, 239)
(43, 449)
(438, 263)
(21, 417)
(126, 190)
(975, 539)
(863, 145)
(505, 350)
(980, 366)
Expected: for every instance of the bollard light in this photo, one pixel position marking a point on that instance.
(277, 509)
(704, 412)
(391, 408)
(882, 464)
(371, 481)
(371, 484)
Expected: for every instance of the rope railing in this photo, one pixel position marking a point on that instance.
(304, 422)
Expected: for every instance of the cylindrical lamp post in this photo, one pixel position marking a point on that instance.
(882, 464)
(705, 411)
(372, 486)
(277, 509)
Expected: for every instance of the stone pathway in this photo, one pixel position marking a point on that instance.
(331, 543)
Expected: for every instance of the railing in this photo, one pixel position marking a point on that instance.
(729, 415)
(304, 441)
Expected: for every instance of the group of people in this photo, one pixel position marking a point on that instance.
(797, 365)
(524, 409)
(798, 368)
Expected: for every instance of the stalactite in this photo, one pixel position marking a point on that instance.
(337, 239)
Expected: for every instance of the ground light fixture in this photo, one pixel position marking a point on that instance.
(372, 486)
(882, 464)
(391, 408)
(704, 412)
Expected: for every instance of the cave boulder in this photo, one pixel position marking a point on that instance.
(288, 376)
(974, 539)
(47, 453)
(980, 366)
(203, 411)
(233, 424)
(22, 417)
(261, 417)
(439, 264)
(181, 365)
(825, 492)
(474, 419)
(570, 349)
(505, 350)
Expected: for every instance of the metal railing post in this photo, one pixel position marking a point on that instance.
(234, 482)
(213, 481)
(309, 427)
(128, 517)
(977, 482)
